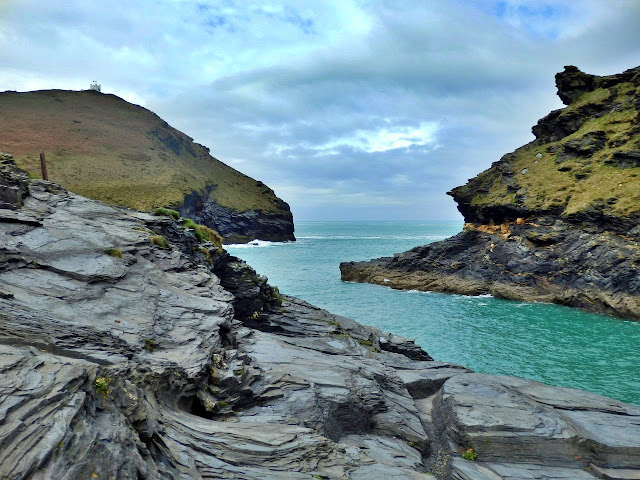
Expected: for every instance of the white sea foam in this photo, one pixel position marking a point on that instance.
(253, 244)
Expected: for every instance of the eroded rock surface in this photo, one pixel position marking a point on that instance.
(122, 359)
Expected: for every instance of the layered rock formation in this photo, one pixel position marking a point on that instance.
(555, 221)
(105, 148)
(129, 350)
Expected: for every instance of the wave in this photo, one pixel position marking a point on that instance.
(254, 244)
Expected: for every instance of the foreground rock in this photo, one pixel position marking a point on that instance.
(554, 221)
(108, 149)
(127, 357)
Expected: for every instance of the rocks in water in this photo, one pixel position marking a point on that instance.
(554, 221)
(559, 263)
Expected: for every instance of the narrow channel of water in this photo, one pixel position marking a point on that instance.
(553, 344)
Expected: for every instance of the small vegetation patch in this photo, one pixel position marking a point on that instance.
(167, 212)
(278, 296)
(206, 253)
(150, 344)
(101, 384)
(470, 454)
(203, 233)
(114, 252)
(160, 241)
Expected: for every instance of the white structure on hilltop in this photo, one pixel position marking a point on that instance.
(95, 86)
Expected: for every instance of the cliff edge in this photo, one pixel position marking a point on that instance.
(105, 148)
(557, 220)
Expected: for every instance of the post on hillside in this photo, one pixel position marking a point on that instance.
(43, 166)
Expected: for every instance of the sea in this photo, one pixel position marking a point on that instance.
(553, 344)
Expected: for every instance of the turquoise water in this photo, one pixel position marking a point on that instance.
(553, 344)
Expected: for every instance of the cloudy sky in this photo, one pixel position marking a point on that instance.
(348, 109)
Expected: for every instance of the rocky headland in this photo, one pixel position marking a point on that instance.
(129, 349)
(557, 220)
(100, 146)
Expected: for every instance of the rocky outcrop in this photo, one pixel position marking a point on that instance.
(554, 221)
(105, 148)
(240, 226)
(129, 350)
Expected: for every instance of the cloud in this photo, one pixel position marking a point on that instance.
(383, 139)
(347, 108)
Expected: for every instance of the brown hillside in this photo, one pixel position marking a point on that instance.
(103, 147)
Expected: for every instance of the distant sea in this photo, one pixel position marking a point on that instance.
(550, 343)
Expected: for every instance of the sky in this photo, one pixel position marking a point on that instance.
(348, 109)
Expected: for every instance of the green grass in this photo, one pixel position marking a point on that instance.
(114, 252)
(470, 454)
(167, 212)
(160, 241)
(203, 233)
(586, 181)
(101, 384)
(150, 345)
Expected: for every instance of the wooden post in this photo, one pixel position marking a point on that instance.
(43, 166)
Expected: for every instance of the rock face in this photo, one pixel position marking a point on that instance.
(236, 226)
(554, 221)
(105, 148)
(124, 356)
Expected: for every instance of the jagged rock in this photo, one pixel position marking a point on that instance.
(572, 83)
(565, 231)
(13, 185)
(237, 226)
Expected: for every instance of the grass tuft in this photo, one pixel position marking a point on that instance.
(101, 384)
(167, 212)
(203, 233)
(160, 241)
(114, 252)
(470, 454)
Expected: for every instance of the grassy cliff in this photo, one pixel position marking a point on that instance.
(584, 162)
(103, 147)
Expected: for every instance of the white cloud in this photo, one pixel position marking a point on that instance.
(383, 139)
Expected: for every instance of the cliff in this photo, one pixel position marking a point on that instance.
(105, 148)
(131, 350)
(554, 221)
